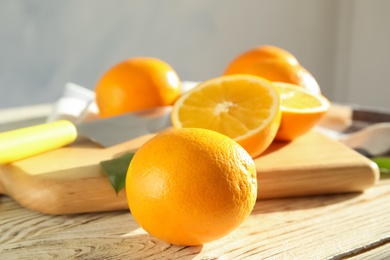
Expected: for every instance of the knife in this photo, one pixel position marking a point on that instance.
(29, 141)
(350, 118)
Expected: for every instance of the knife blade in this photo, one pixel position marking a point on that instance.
(25, 142)
(365, 116)
(350, 118)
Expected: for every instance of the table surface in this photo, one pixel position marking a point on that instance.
(343, 226)
(352, 226)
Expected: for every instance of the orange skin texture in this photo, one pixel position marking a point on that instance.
(136, 84)
(190, 186)
(256, 144)
(294, 125)
(296, 122)
(260, 53)
(274, 64)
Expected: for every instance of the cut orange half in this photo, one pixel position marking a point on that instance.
(244, 107)
(301, 110)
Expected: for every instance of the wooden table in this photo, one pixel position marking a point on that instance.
(345, 226)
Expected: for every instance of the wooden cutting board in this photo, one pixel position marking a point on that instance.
(70, 180)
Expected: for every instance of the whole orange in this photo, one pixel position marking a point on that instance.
(190, 186)
(260, 53)
(135, 84)
(274, 64)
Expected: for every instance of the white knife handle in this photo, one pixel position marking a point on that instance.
(25, 142)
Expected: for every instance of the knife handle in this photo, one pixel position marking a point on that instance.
(25, 142)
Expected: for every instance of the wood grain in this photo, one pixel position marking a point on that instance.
(311, 165)
(70, 180)
(339, 226)
(380, 251)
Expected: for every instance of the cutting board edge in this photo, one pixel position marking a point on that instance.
(50, 193)
(290, 183)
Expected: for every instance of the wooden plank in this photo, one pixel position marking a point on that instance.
(380, 251)
(317, 227)
(314, 164)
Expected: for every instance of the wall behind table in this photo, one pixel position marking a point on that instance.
(365, 54)
(45, 44)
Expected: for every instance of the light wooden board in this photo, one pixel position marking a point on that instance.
(317, 227)
(69, 180)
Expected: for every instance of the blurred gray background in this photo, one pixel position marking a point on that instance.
(45, 44)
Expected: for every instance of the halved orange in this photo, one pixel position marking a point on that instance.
(245, 108)
(301, 110)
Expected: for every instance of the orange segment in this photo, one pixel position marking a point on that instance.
(244, 107)
(301, 110)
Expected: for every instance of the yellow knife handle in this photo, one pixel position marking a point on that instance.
(25, 142)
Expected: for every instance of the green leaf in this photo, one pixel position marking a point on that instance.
(116, 170)
(384, 166)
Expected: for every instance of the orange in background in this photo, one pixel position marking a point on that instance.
(136, 84)
(274, 64)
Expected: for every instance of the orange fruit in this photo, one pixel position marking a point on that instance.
(276, 65)
(191, 186)
(244, 107)
(260, 53)
(301, 110)
(136, 84)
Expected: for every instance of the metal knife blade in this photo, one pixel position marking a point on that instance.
(115, 130)
(350, 118)
(22, 143)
